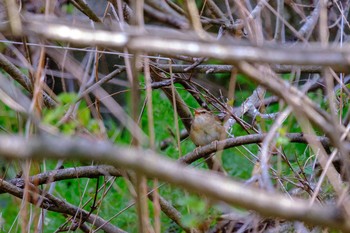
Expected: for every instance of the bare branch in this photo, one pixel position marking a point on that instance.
(243, 140)
(189, 45)
(210, 184)
(49, 202)
(22, 79)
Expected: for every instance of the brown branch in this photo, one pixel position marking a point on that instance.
(169, 43)
(310, 23)
(22, 79)
(84, 8)
(216, 10)
(206, 183)
(211, 68)
(68, 173)
(182, 109)
(13, 96)
(87, 172)
(49, 202)
(163, 7)
(243, 140)
(165, 18)
(301, 104)
(100, 82)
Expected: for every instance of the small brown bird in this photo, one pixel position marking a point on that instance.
(206, 128)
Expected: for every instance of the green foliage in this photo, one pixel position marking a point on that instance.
(83, 117)
(196, 210)
(68, 8)
(3, 46)
(282, 140)
(10, 121)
